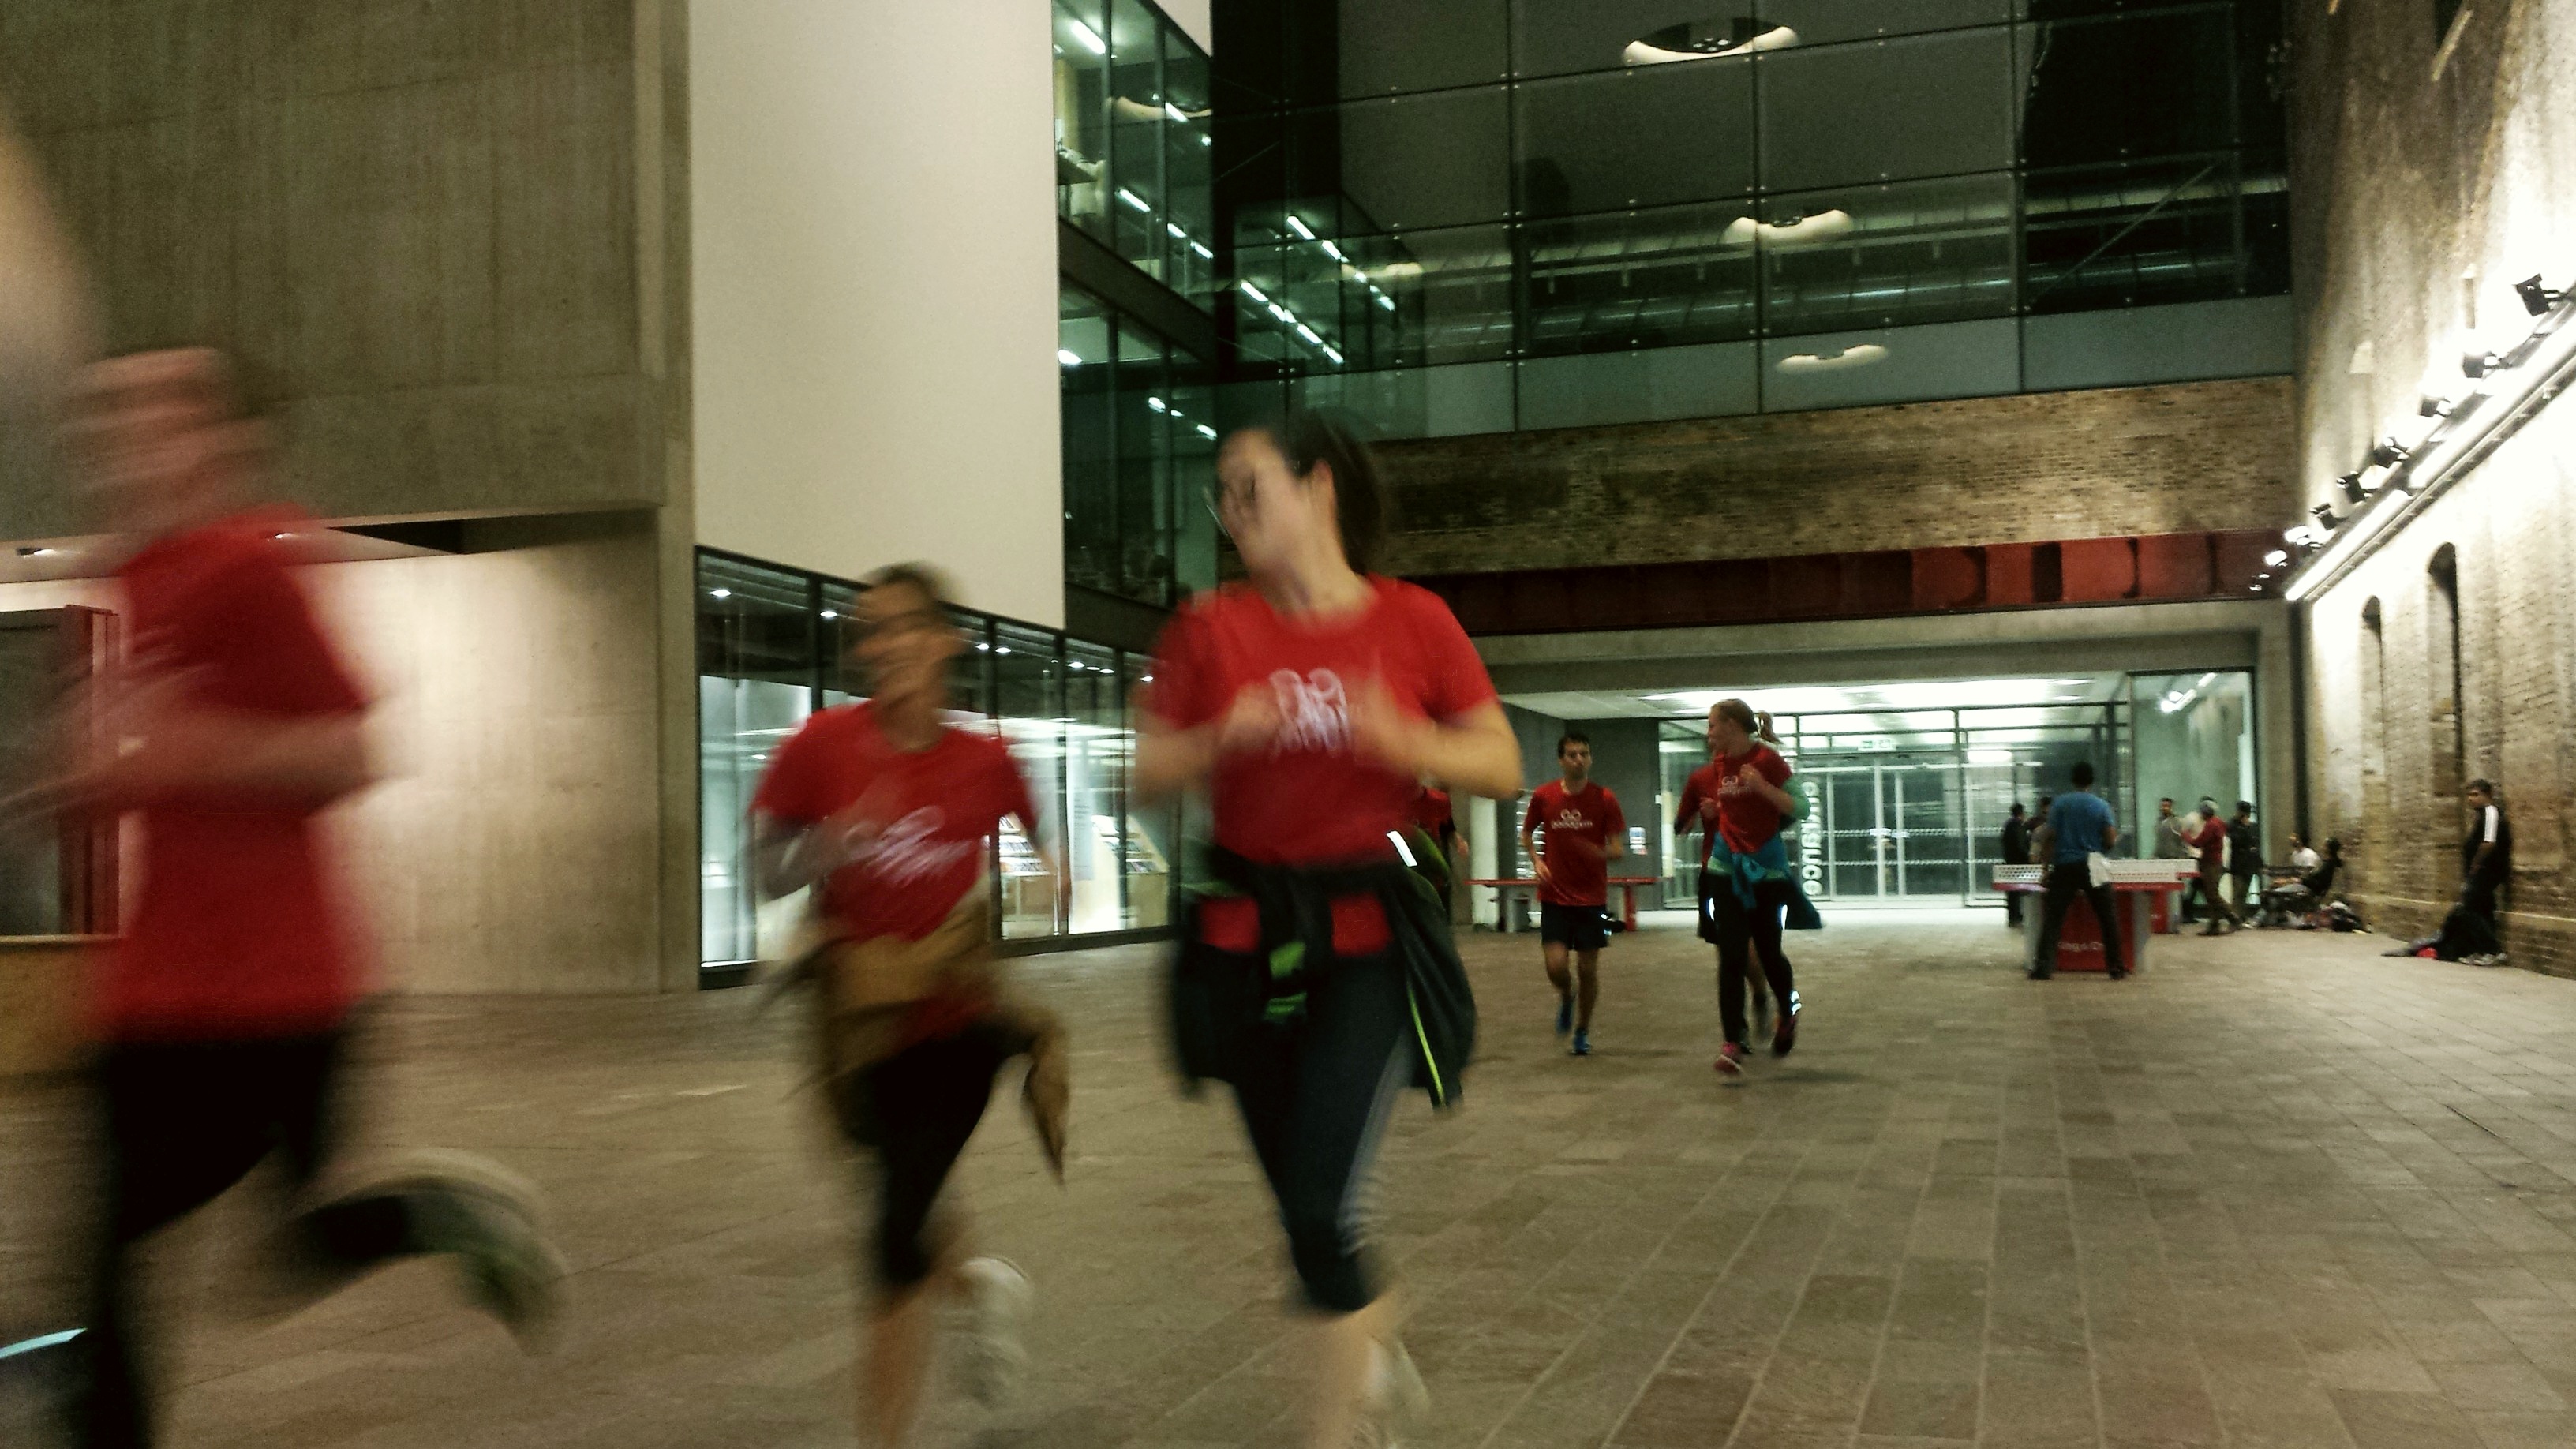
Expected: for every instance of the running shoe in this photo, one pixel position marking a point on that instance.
(1397, 1405)
(1582, 1043)
(487, 1217)
(998, 1298)
(1786, 1037)
(1730, 1059)
(1564, 1015)
(1762, 1013)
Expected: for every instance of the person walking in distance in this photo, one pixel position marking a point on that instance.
(2080, 827)
(2486, 866)
(1584, 831)
(2210, 839)
(1740, 800)
(1314, 975)
(224, 1011)
(2244, 862)
(2013, 849)
(2170, 845)
(890, 812)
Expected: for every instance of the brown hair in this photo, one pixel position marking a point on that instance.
(930, 582)
(1755, 722)
(1306, 439)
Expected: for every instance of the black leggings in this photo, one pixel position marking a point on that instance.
(921, 1105)
(183, 1122)
(1738, 931)
(1315, 1094)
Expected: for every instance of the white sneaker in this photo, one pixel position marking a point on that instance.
(998, 1299)
(1397, 1404)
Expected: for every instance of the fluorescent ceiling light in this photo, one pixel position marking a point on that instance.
(1309, 334)
(1090, 38)
(1132, 199)
(719, 593)
(1334, 252)
(1204, 253)
(1174, 112)
(1068, 357)
(1858, 355)
(1155, 403)
(1297, 224)
(1255, 293)
(1175, 229)
(1210, 434)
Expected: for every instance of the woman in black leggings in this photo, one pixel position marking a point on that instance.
(1740, 798)
(1318, 977)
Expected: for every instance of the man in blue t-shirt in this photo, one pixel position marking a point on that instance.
(2082, 825)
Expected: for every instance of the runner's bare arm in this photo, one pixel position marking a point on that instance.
(1170, 760)
(1475, 752)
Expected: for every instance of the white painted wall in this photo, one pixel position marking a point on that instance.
(1192, 16)
(874, 290)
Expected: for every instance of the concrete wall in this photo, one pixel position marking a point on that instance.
(2428, 178)
(2026, 468)
(421, 218)
(875, 280)
(514, 846)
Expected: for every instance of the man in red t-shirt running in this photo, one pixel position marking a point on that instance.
(890, 812)
(224, 1010)
(1584, 831)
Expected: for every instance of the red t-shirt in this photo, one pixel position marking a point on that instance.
(932, 810)
(237, 934)
(1576, 876)
(1744, 818)
(2212, 841)
(1309, 798)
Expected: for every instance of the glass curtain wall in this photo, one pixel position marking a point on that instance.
(1133, 145)
(1140, 442)
(1910, 805)
(774, 646)
(1558, 214)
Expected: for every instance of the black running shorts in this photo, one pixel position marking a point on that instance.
(1579, 928)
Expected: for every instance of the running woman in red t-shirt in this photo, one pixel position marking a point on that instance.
(1584, 832)
(1309, 701)
(1739, 798)
(890, 813)
(223, 1012)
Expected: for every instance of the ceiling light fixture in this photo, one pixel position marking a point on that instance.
(2324, 514)
(2277, 557)
(2480, 364)
(1090, 38)
(1068, 357)
(1132, 199)
(2435, 407)
(2538, 297)
(1255, 293)
(2389, 452)
(2350, 483)
(1297, 224)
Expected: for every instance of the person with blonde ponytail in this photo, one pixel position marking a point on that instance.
(1741, 800)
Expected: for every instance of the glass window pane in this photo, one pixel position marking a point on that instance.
(2194, 737)
(1640, 137)
(1887, 110)
(1901, 364)
(1028, 683)
(757, 655)
(2128, 85)
(2135, 234)
(1639, 279)
(1189, 149)
(1415, 161)
(1085, 356)
(1143, 510)
(1097, 750)
(1082, 113)
(1823, 22)
(1136, 125)
(1419, 402)
(1888, 255)
(1592, 389)
(1418, 45)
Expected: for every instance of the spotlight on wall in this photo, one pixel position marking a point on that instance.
(2324, 514)
(2350, 483)
(2538, 297)
(2435, 407)
(2276, 558)
(2479, 364)
(2388, 453)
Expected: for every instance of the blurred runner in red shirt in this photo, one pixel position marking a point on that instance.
(1584, 831)
(890, 813)
(1311, 701)
(1740, 800)
(224, 1011)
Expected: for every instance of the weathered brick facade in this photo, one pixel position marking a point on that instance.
(2183, 458)
(2423, 191)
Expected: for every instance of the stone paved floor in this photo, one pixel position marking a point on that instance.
(2277, 1192)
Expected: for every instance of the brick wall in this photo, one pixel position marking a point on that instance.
(2420, 197)
(2185, 458)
